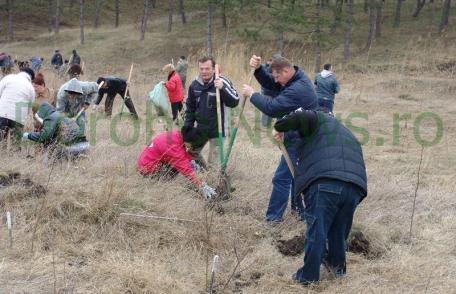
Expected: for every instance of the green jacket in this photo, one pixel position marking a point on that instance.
(56, 128)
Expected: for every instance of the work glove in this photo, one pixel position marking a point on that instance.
(25, 136)
(208, 192)
(195, 166)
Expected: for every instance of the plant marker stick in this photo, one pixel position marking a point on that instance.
(213, 271)
(10, 229)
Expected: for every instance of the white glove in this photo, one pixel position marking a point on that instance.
(195, 166)
(25, 136)
(208, 192)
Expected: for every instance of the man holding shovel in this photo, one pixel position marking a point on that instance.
(113, 86)
(201, 105)
(295, 91)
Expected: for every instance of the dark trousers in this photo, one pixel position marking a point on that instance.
(176, 107)
(128, 102)
(7, 127)
(329, 209)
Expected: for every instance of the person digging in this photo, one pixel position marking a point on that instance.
(172, 152)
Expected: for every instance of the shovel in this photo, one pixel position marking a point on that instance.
(126, 91)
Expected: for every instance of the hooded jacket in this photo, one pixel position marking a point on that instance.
(326, 88)
(202, 105)
(56, 127)
(16, 95)
(57, 59)
(167, 147)
(174, 87)
(87, 92)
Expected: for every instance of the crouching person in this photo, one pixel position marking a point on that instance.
(60, 135)
(331, 181)
(173, 149)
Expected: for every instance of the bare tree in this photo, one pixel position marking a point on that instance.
(50, 16)
(348, 31)
(224, 14)
(170, 15)
(372, 22)
(57, 17)
(144, 19)
(445, 15)
(397, 15)
(337, 15)
(81, 19)
(318, 39)
(378, 18)
(96, 19)
(419, 6)
(10, 7)
(209, 27)
(117, 12)
(182, 11)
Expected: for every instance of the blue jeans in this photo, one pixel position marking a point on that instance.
(329, 209)
(282, 185)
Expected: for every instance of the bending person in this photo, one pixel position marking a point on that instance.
(113, 86)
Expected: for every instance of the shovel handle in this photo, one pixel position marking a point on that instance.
(219, 116)
(287, 158)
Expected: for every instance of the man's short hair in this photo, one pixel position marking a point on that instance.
(327, 66)
(182, 57)
(207, 58)
(279, 63)
(29, 71)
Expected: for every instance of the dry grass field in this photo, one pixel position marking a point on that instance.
(73, 239)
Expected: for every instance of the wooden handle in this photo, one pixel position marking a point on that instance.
(287, 158)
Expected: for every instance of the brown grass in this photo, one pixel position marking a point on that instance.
(83, 245)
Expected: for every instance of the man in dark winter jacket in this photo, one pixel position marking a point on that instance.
(327, 87)
(266, 120)
(113, 86)
(202, 104)
(295, 91)
(75, 58)
(331, 178)
(57, 60)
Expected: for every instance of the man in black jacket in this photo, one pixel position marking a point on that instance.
(57, 60)
(201, 104)
(331, 178)
(113, 86)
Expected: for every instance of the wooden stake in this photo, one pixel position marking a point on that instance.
(10, 229)
(215, 262)
(175, 219)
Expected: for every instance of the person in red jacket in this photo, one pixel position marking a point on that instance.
(173, 149)
(175, 91)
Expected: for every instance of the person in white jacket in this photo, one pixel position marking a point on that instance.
(16, 97)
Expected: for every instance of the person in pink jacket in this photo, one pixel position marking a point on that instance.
(175, 91)
(173, 149)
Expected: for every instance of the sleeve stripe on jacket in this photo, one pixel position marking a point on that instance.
(229, 88)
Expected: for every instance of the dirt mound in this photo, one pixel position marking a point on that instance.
(291, 247)
(23, 187)
(447, 66)
(358, 243)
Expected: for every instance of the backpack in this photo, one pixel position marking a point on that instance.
(69, 131)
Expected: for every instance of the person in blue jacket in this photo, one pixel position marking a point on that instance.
(295, 91)
(331, 179)
(327, 87)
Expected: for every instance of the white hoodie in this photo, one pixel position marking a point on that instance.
(326, 73)
(16, 96)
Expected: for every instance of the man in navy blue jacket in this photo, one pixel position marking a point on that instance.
(295, 91)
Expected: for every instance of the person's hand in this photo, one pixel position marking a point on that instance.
(277, 135)
(195, 166)
(247, 91)
(218, 83)
(255, 62)
(25, 136)
(208, 192)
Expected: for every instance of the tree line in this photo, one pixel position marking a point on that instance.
(316, 20)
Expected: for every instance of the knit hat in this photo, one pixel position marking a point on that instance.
(194, 136)
(168, 68)
(30, 72)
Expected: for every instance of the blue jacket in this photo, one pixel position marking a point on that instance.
(326, 150)
(297, 93)
(326, 88)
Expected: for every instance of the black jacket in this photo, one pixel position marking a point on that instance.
(115, 86)
(326, 149)
(57, 59)
(202, 105)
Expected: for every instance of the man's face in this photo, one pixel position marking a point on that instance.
(39, 89)
(72, 95)
(206, 70)
(281, 76)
